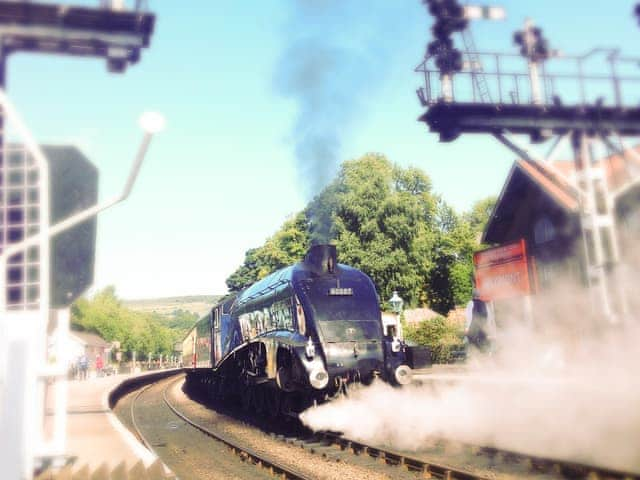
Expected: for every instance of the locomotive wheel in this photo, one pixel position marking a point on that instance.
(259, 399)
(286, 404)
(246, 397)
(283, 379)
(220, 393)
(272, 402)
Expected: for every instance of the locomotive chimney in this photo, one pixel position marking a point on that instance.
(321, 259)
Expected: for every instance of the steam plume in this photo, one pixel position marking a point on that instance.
(339, 51)
(564, 388)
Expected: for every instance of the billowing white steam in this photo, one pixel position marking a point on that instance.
(560, 388)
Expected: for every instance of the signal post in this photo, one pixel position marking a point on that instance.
(479, 94)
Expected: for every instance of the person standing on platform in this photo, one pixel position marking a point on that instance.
(99, 365)
(83, 366)
(480, 325)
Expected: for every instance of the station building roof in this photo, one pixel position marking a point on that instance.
(531, 186)
(90, 339)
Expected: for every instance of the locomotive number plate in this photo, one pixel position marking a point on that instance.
(338, 292)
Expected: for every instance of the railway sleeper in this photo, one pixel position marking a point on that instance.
(414, 465)
(394, 459)
(358, 448)
(379, 455)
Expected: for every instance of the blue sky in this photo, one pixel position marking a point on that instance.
(223, 175)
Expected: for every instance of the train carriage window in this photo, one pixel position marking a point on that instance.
(288, 315)
(244, 325)
(268, 321)
(258, 323)
(302, 322)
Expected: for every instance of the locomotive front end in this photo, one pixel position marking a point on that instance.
(344, 315)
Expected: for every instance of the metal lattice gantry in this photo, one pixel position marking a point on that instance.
(575, 92)
(582, 99)
(110, 31)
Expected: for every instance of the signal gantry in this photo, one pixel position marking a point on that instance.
(544, 95)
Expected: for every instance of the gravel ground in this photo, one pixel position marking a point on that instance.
(467, 458)
(192, 454)
(446, 454)
(304, 461)
(184, 449)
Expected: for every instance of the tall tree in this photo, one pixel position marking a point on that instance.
(105, 315)
(288, 245)
(383, 223)
(386, 221)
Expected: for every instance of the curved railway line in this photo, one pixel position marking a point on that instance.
(534, 464)
(335, 449)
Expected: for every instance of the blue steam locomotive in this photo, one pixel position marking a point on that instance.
(301, 335)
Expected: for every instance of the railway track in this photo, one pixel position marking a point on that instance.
(381, 459)
(257, 458)
(155, 426)
(535, 464)
(334, 448)
(324, 443)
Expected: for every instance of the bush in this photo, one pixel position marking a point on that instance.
(442, 336)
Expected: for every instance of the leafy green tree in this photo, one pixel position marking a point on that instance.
(480, 212)
(383, 223)
(180, 320)
(451, 278)
(386, 221)
(288, 245)
(442, 337)
(105, 315)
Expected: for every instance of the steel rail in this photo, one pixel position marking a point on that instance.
(260, 459)
(424, 467)
(567, 467)
(536, 463)
(138, 432)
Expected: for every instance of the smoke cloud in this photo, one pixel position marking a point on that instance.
(565, 387)
(337, 54)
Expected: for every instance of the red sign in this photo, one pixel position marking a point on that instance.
(502, 272)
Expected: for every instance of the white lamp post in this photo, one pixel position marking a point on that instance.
(23, 391)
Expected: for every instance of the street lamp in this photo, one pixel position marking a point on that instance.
(396, 303)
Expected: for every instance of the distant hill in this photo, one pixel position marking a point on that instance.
(198, 304)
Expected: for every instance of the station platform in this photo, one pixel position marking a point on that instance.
(94, 435)
(96, 438)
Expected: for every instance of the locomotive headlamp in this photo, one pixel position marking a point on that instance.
(310, 349)
(319, 378)
(402, 375)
